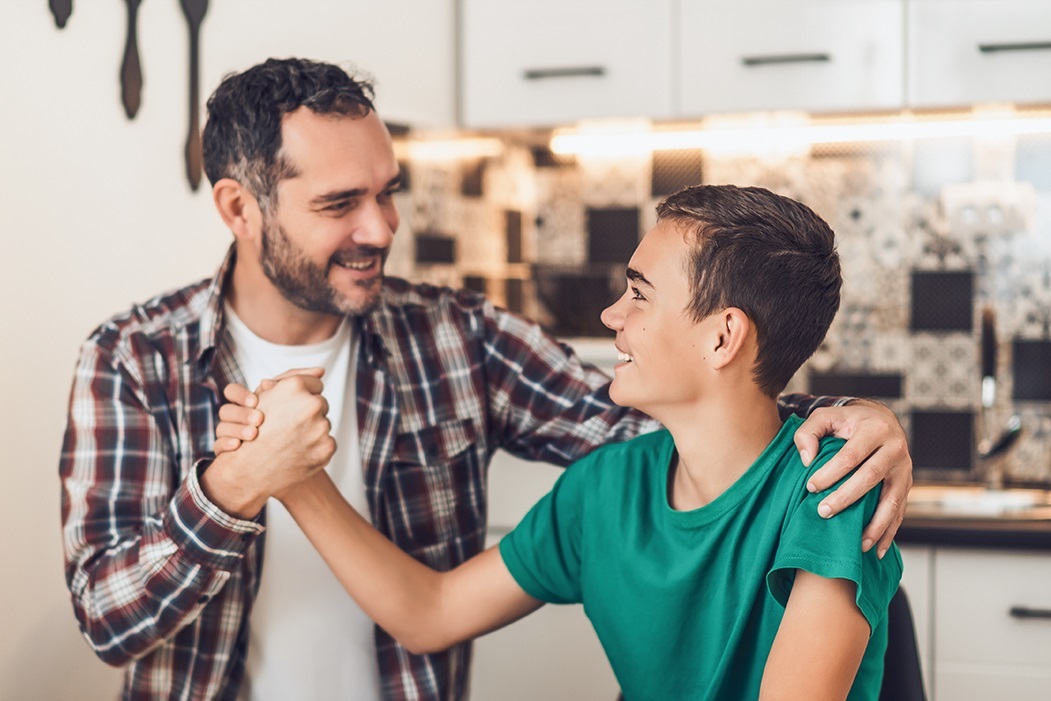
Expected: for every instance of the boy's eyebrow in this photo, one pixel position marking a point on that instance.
(341, 195)
(638, 278)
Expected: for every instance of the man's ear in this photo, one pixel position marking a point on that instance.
(238, 209)
(729, 336)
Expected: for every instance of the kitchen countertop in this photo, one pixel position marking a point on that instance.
(968, 516)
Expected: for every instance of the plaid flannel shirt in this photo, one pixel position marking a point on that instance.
(162, 580)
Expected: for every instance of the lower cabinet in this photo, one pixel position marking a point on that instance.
(983, 622)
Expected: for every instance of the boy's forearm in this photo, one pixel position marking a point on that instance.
(399, 593)
(424, 610)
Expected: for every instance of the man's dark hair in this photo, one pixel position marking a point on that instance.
(242, 137)
(771, 257)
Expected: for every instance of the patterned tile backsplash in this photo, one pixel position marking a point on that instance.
(931, 236)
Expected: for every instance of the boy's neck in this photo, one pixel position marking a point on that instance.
(716, 443)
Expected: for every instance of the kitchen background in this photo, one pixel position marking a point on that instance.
(945, 242)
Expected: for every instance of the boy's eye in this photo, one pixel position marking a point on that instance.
(636, 295)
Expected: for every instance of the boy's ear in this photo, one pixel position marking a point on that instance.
(238, 209)
(729, 337)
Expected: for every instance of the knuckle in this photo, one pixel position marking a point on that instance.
(849, 456)
(869, 473)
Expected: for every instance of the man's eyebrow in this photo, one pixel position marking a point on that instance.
(343, 195)
(638, 278)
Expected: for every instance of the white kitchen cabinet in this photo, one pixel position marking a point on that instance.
(973, 51)
(992, 625)
(812, 55)
(408, 46)
(550, 62)
(916, 580)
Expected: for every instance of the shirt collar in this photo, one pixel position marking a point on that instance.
(213, 319)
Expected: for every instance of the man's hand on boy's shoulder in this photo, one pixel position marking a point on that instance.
(876, 445)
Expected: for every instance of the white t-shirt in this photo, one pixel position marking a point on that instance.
(308, 639)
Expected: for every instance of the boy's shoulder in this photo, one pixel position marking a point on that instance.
(642, 446)
(638, 453)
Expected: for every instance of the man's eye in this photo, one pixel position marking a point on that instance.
(389, 194)
(338, 207)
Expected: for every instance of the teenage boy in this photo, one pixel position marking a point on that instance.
(697, 550)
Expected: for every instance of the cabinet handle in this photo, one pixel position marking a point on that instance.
(1017, 46)
(564, 72)
(785, 58)
(1026, 612)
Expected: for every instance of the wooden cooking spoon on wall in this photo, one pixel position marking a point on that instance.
(194, 11)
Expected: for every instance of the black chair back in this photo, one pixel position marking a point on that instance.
(902, 677)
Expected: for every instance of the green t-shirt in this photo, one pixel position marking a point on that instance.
(687, 603)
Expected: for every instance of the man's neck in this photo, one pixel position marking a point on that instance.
(716, 442)
(269, 315)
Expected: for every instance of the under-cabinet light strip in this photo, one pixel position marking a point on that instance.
(583, 141)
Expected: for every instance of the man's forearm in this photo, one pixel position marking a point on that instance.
(805, 404)
(142, 558)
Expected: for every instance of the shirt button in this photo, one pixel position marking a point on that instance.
(203, 599)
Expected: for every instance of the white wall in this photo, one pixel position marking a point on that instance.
(95, 214)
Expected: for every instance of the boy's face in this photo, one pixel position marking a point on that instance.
(660, 344)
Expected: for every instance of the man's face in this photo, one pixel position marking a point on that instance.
(325, 244)
(660, 344)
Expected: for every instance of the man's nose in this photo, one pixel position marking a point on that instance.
(378, 226)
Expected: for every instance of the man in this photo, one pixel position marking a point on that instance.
(164, 545)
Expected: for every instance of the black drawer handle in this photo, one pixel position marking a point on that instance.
(1017, 46)
(564, 72)
(785, 58)
(1026, 612)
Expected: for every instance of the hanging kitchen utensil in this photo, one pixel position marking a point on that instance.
(130, 69)
(194, 11)
(61, 10)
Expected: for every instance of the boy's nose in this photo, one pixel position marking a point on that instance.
(612, 317)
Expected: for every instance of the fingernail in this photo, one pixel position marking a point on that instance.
(824, 511)
(881, 553)
(256, 418)
(810, 487)
(805, 456)
(866, 544)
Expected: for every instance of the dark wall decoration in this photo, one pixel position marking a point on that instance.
(131, 72)
(61, 9)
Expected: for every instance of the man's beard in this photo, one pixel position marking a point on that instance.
(305, 283)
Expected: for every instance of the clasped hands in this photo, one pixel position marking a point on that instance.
(269, 441)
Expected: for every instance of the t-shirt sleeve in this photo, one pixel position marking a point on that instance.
(543, 552)
(831, 548)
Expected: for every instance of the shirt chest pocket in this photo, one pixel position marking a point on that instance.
(437, 492)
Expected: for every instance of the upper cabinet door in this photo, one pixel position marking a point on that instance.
(382, 38)
(813, 55)
(967, 51)
(549, 62)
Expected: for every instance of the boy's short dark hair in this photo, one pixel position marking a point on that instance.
(242, 135)
(771, 257)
